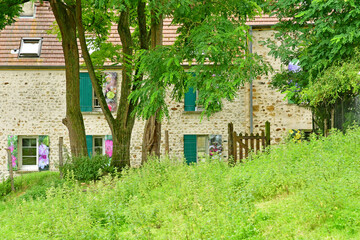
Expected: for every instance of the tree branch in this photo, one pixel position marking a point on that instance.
(98, 90)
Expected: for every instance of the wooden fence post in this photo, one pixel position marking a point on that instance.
(61, 159)
(267, 133)
(10, 170)
(230, 140)
(166, 142)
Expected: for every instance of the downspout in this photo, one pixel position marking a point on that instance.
(251, 84)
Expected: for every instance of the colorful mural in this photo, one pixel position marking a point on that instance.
(215, 147)
(13, 146)
(108, 145)
(109, 89)
(43, 153)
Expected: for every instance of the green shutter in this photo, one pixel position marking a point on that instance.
(89, 143)
(190, 148)
(85, 93)
(190, 99)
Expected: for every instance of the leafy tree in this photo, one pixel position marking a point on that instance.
(9, 10)
(212, 41)
(321, 34)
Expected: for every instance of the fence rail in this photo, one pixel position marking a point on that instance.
(241, 145)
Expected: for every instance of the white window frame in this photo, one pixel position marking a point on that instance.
(207, 139)
(28, 167)
(198, 108)
(30, 53)
(95, 107)
(103, 144)
(90, 43)
(33, 7)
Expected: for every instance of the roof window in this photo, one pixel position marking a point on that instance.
(28, 10)
(30, 47)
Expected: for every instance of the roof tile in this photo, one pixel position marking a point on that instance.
(51, 52)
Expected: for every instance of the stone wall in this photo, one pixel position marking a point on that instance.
(269, 104)
(33, 103)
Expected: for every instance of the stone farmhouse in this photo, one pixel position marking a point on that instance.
(32, 93)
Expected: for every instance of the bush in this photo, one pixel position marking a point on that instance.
(86, 168)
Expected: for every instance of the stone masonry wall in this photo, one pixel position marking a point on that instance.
(269, 104)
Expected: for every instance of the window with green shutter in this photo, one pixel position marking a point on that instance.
(86, 92)
(190, 148)
(199, 147)
(190, 100)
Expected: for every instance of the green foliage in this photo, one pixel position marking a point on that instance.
(306, 190)
(335, 83)
(9, 10)
(324, 36)
(218, 59)
(87, 168)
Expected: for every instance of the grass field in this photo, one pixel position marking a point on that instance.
(307, 190)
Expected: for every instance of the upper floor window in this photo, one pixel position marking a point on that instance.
(28, 10)
(30, 47)
(191, 97)
(89, 102)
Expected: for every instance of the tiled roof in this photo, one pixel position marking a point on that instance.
(51, 52)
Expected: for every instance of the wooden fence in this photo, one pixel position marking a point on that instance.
(241, 145)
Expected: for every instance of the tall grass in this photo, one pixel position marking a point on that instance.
(297, 191)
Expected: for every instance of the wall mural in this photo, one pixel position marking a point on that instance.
(109, 147)
(215, 146)
(43, 152)
(109, 89)
(13, 146)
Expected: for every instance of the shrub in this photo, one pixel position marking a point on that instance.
(86, 168)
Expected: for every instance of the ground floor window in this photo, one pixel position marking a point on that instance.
(99, 145)
(29, 153)
(199, 147)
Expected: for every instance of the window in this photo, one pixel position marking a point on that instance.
(198, 147)
(91, 45)
(89, 102)
(191, 97)
(30, 47)
(99, 145)
(28, 10)
(96, 103)
(29, 153)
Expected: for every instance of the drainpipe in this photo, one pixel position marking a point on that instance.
(251, 85)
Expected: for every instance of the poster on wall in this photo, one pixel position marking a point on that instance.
(43, 152)
(108, 146)
(13, 147)
(109, 89)
(215, 146)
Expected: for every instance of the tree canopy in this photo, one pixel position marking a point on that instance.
(9, 10)
(323, 35)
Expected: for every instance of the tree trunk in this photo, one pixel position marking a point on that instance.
(152, 131)
(65, 18)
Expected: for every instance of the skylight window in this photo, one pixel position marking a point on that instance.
(30, 47)
(28, 10)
